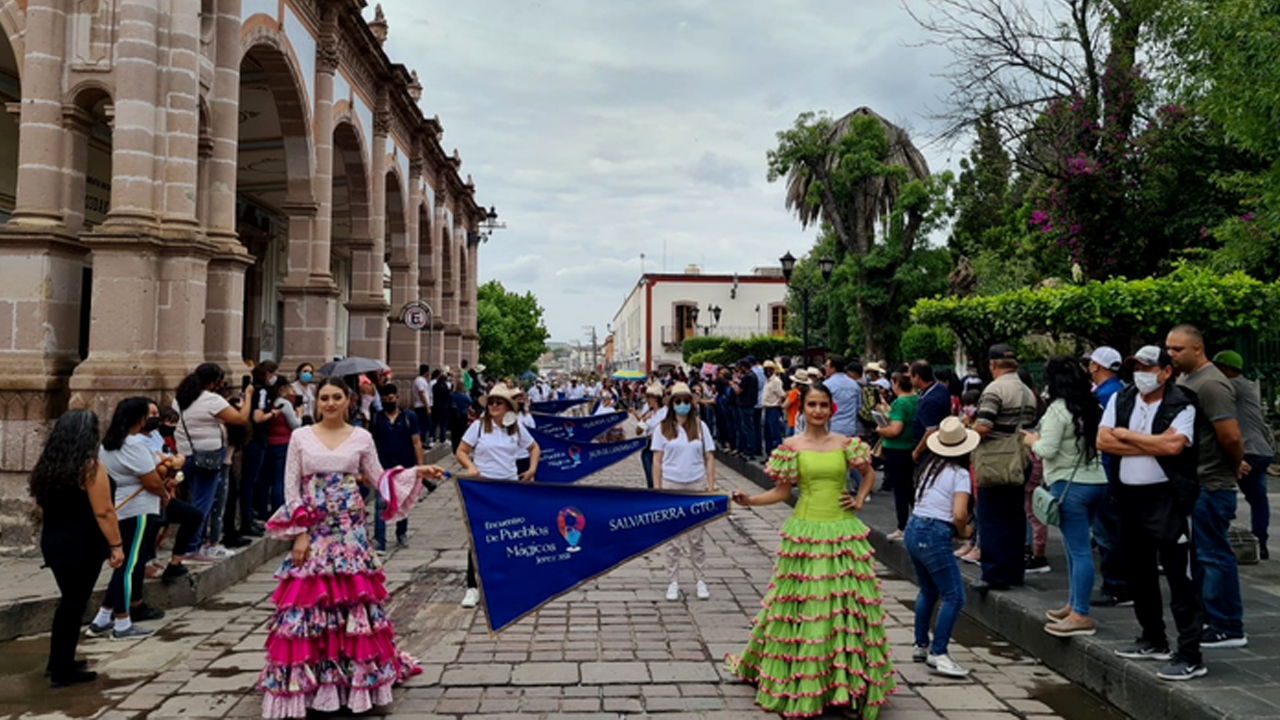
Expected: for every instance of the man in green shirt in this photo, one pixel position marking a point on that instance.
(1221, 463)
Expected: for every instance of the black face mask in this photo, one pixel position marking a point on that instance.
(152, 425)
(388, 406)
(167, 430)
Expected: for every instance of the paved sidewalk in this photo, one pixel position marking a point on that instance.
(612, 649)
(1242, 683)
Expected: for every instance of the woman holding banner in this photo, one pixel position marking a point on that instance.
(819, 640)
(649, 419)
(329, 642)
(491, 449)
(684, 461)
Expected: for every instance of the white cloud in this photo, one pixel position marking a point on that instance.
(603, 130)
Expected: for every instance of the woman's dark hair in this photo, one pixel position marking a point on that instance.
(935, 466)
(262, 370)
(69, 455)
(814, 387)
(129, 412)
(1067, 381)
(192, 385)
(298, 373)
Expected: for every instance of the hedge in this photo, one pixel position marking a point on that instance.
(726, 351)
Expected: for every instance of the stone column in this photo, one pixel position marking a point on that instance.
(430, 340)
(405, 353)
(224, 314)
(40, 150)
(180, 180)
(451, 272)
(368, 308)
(133, 142)
(470, 334)
(310, 308)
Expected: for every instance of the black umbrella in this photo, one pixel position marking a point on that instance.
(352, 366)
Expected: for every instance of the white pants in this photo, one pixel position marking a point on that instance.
(691, 542)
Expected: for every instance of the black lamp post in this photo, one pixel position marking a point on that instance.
(826, 265)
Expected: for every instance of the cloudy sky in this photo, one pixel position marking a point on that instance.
(603, 129)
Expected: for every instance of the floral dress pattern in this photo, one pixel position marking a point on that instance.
(330, 643)
(819, 638)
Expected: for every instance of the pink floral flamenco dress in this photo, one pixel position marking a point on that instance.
(330, 643)
(819, 640)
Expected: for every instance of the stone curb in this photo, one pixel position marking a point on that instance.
(32, 616)
(1132, 688)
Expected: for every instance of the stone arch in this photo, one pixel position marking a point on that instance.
(395, 214)
(269, 52)
(349, 158)
(13, 24)
(88, 171)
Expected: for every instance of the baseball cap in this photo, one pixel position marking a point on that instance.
(1002, 351)
(1229, 358)
(1107, 357)
(1152, 356)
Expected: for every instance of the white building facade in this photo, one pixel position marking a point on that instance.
(664, 309)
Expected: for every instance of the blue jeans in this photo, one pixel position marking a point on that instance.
(747, 444)
(1223, 607)
(928, 542)
(1079, 509)
(772, 428)
(1254, 487)
(218, 511)
(380, 525)
(252, 458)
(204, 490)
(646, 462)
(273, 468)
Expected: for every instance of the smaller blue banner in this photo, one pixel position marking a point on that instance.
(533, 542)
(555, 407)
(576, 428)
(566, 461)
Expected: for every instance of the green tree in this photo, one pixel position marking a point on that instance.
(512, 334)
(854, 174)
(982, 194)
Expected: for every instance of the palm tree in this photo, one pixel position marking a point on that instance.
(845, 174)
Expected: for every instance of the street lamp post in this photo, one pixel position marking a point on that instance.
(825, 264)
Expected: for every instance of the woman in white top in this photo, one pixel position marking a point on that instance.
(490, 449)
(941, 513)
(305, 390)
(649, 419)
(684, 461)
(526, 421)
(202, 412)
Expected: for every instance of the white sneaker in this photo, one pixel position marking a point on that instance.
(944, 665)
(217, 551)
(471, 598)
(673, 591)
(702, 592)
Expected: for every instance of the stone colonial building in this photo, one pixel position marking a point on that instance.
(212, 180)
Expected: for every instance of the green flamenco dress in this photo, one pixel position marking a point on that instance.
(819, 639)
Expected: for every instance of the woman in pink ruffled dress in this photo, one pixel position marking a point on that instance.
(330, 643)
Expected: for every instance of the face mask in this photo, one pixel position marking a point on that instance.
(271, 380)
(682, 409)
(388, 406)
(1146, 382)
(509, 419)
(306, 377)
(167, 430)
(152, 425)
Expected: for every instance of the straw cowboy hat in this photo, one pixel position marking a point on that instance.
(502, 391)
(874, 367)
(801, 377)
(953, 439)
(680, 389)
(655, 389)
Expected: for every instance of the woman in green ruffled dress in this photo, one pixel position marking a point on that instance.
(819, 639)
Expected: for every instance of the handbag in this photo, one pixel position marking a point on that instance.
(202, 460)
(999, 462)
(1046, 507)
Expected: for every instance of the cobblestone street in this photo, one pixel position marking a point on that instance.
(612, 649)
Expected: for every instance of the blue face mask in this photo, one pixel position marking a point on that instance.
(682, 409)
(306, 377)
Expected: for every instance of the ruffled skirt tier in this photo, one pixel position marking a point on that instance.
(819, 639)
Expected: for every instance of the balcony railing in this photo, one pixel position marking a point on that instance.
(671, 336)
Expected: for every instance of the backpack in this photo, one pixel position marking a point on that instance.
(870, 398)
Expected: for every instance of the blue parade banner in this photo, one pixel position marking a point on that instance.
(576, 428)
(534, 542)
(554, 407)
(566, 461)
